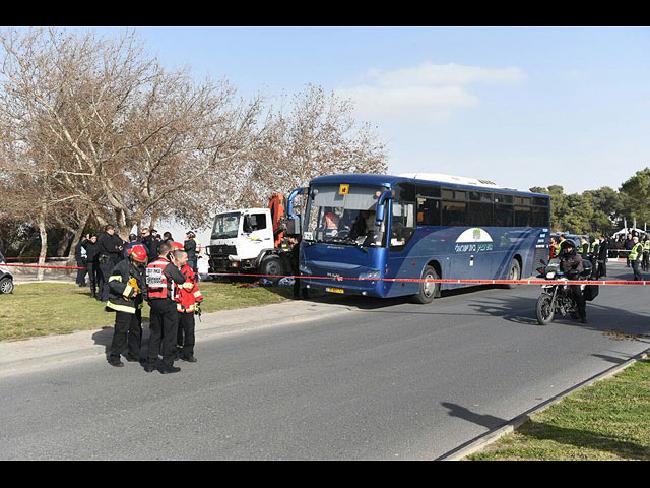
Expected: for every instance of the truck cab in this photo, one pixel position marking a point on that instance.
(240, 240)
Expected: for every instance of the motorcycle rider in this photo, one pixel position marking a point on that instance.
(571, 264)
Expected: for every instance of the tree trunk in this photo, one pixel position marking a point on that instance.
(43, 231)
(77, 237)
(64, 243)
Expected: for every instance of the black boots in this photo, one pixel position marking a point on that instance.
(169, 369)
(115, 362)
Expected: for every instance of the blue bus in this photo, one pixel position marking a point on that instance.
(423, 226)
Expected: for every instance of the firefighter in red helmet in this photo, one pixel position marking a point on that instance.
(127, 290)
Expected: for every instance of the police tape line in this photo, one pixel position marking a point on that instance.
(338, 279)
(536, 281)
(18, 265)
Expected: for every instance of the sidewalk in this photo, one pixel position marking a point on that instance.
(60, 350)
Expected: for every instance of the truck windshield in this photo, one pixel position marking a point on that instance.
(344, 215)
(226, 225)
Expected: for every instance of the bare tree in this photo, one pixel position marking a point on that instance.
(316, 136)
(114, 130)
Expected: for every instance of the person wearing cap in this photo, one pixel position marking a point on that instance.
(191, 250)
(127, 291)
(188, 301)
(571, 265)
(635, 258)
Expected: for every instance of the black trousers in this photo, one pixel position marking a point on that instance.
(81, 273)
(186, 326)
(128, 332)
(637, 271)
(602, 268)
(163, 319)
(645, 262)
(105, 267)
(93, 277)
(576, 292)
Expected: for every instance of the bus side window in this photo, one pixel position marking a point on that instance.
(428, 211)
(503, 215)
(402, 224)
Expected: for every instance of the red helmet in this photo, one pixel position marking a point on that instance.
(177, 246)
(138, 253)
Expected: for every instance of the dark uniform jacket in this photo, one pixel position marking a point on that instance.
(571, 264)
(190, 248)
(122, 296)
(91, 251)
(109, 245)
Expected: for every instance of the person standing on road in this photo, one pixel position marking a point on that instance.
(189, 298)
(127, 291)
(635, 258)
(92, 265)
(571, 265)
(603, 248)
(109, 248)
(646, 253)
(162, 278)
(81, 255)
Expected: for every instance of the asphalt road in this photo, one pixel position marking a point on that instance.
(385, 380)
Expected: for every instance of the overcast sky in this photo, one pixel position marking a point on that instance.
(521, 106)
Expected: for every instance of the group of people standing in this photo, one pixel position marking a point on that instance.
(595, 251)
(161, 272)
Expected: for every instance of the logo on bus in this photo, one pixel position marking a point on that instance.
(474, 240)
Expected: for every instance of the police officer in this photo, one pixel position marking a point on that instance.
(127, 290)
(571, 265)
(646, 253)
(635, 258)
(603, 247)
(162, 278)
(190, 248)
(92, 265)
(80, 256)
(109, 250)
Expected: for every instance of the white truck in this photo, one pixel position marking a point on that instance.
(255, 240)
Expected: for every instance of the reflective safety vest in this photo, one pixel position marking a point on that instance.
(636, 251)
(646, 246)
(188, 294)
(157, 284)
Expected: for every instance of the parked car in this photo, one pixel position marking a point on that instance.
(6, 278)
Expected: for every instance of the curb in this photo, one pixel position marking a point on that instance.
(484, 440)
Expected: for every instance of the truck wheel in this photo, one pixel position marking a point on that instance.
(6, 285)
(428, 291)
(271, 265)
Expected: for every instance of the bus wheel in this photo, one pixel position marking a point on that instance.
(515, 273)
(428, 291)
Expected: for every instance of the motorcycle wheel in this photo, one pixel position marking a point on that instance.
(543, 309)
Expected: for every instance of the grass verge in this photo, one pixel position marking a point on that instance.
(39, 309)
(604, 421)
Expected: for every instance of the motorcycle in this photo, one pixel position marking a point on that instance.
(556, 296)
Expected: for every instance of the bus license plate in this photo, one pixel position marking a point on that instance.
(334, 290)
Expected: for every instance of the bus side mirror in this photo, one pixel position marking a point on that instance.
(381, 207)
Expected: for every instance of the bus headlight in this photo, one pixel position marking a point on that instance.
(550, 275)
(370, 275)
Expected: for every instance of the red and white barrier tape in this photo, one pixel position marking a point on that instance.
(535, 281)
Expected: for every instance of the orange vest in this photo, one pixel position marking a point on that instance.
(157, 283)
(188, 298)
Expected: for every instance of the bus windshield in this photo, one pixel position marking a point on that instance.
(344, 215)
(226, 226)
